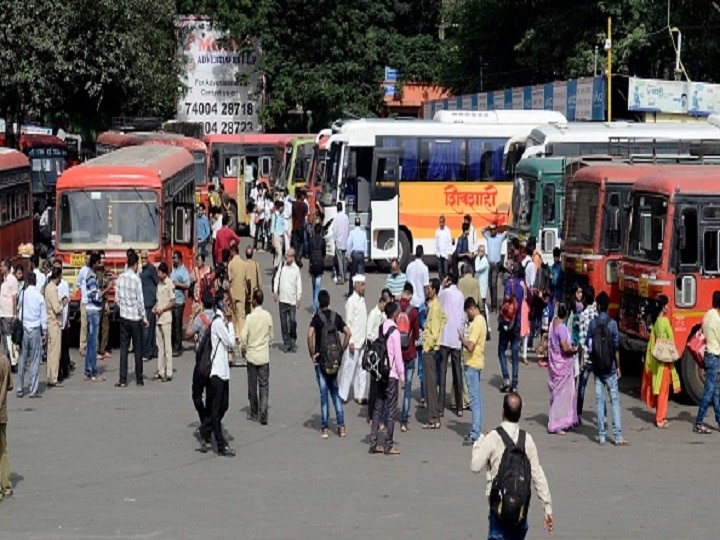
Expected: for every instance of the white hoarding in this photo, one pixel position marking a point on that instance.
(223, 87)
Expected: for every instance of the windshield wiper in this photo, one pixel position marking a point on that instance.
(147, 206)
(100, 220)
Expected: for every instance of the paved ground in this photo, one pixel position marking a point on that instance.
(92, 461)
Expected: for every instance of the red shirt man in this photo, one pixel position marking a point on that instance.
(225, 236)
(411, 352)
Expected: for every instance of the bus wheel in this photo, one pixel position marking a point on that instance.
(693, 378)
(387, 242)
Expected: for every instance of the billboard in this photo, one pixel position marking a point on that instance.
(223, 86)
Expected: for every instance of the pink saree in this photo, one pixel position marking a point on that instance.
(561, 381)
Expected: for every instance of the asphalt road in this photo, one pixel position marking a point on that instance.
(93, 461)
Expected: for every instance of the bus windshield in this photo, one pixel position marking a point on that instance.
(108, 219)
(647, 227)
(200, 168)
(522, 201)
(45, 172)
(581, 210)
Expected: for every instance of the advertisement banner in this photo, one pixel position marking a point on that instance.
(222, 83)
(527, 98)
(584, 100)
(484, 102)
(499, 99)
(704, 99)
(560, 97)
(509, 99)
(518, 99)
(548, 99)
(652, 95)
(538, 98)
(466, 102)
(571, 98)
(599, 99)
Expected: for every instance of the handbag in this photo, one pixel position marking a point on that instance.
(696, 347)
(664, 351)
(17, 330)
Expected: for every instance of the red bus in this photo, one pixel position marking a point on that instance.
(16, 225)
(48, 159)
(110, 141)
(232, 156)
(316, 178)
(141, 197)
(672, 247)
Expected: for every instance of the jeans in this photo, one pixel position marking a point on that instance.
(177, 319)
(610, 382)
(582, 384)
(442, 264)
(130, 330)
(407, 393)
(93, 325)
(472, 376)
(497, 530)
(288, 324)
(31, 348)
(258, 377)
(357, 266)
(149, 341)
(316, 284)
(202, 248)
(387, 398)
(710, 391)
(329, 384)
(513, 339)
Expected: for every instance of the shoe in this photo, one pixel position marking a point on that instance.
(146, 359)
(404, 428)
(35, 396)
(513, 389)
(324, 433)
(263, 421)
(20, 394)
(140, 383)
(176, 354)
(468, 441)
(120, 384)
(392, 451)
(376, 449)
(505, 388)
(167, 379)
(157, 377)
(251, 418)
(341, 432)
(204, 447)
(227, 452)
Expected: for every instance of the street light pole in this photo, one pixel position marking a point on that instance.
(608, 48)
(595, 62)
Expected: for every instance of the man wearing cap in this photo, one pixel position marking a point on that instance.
(356, 318)
(494, 240)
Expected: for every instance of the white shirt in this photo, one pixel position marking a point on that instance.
(81, 283)
(64, 292)
(222, 339)
(472, 240)
(357, 241)
(482, 271)
(41, 279)
(341, 230)
(418, 275)
(288, 284)
(129, 296)
(530, 271)
(443, 242)
(374, 320)
(216, 226)
(356, 319)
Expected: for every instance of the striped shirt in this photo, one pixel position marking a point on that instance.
(129, 296)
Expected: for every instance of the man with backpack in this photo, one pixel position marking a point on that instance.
(356, 317)
(391, 376)
(408, 324)
(603, 341)
(510, 457)
(326, 350)
(196, 331)
(509, 327)
(318, 250)
(375, 319)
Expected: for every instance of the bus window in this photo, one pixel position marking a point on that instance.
(613, 234)
(230, 167)
(183, 225)
(689, 247)
(711, 254)
(445, 159)
(548, 203)
(265, 166)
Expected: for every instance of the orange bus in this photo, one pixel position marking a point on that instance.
(672, 247)
(16, 224)
(141, 197)
(110, 141)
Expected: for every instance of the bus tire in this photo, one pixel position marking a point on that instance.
(386, 241)
(693, 378)
(404, 249)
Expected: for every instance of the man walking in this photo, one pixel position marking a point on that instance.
(711, 331)
(388, 389)
(180, 278)
(327, 382)
(395, 280)
(474, 360)
(317, 263)
(357, 251)
(463, 254)
(237, 270)
(375, 319)
(8, 305)
(443, 248)
(586, 317)
(64, 292)
(511, 336)
(6, 386)
(129, 297)
(255, 342)
(341, 231)
(452, 303)
(487, 455)
(200, 383)
(494, 241)
(352, 372)
(434, 326)
(409, 348)
(203, 230)
(81, 284)
(33, 315)
(299, 216)
(162, 312)
(277, 230)
(254, 279)
(149, 279)
(54, 307)
(287, 290)
(604, 329)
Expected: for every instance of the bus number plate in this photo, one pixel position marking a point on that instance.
(643, 287)
(77, 260)
(578, 265)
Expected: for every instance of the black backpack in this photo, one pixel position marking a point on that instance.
(543, 277)
(601, 354)
(510, 491)
(330, 344)
(377, 360)
(317, 260)
(204, 355)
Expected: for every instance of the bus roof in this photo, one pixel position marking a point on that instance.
(681, 180)
(604, 131)
(296, 141)
(536, 165)
(623, 173)
(12, 159)
(39, 140)
(500, 117)
(119, 139)
(252, 138)
(145, 166)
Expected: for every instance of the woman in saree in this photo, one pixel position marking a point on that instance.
(561, 375)
(658, 376)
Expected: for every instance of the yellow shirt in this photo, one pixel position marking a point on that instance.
(711, 330)
(257, 336)
(434, 325)
(165, 295)
(477, 334)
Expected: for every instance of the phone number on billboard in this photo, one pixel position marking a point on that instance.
(224, 109)
(227, 128)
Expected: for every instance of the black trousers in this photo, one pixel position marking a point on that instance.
(288, 324)
(64, 371)
(258, 378)
(130, 330)
(176, 334)
(387, 396)
(218, 403)
(149, 343)
(199, 391)
(298, 241)
(454, 355)
(493, 277)
(357, 266)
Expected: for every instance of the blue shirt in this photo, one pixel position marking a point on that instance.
(94, 297)
(81, 283)
(556, 280)
(182, 276)
(612, 326)
(357, 241)
(203, 228)
(514, 287)
(494, 246)
(32, 309)
(277, 224)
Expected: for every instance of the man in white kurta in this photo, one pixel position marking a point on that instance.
(356, 319)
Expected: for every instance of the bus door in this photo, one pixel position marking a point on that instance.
(384, 203)
(550, 213)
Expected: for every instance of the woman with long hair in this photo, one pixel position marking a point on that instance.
(561, 375)
(658, 376)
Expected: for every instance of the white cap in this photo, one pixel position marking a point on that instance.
(358, 278)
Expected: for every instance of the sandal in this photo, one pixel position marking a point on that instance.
(622, 442)
(392, 452)
(98, 378)
(702, 429)
(376, 449)
(431, 425)
(663, 425)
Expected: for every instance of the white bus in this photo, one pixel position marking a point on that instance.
(400, 176)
